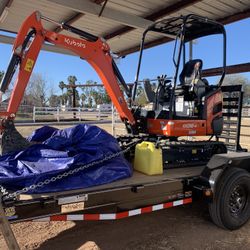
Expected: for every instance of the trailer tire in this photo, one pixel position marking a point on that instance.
(230, 208)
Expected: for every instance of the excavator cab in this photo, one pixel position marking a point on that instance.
(187, 104)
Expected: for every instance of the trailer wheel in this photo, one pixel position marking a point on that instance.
(230, 208)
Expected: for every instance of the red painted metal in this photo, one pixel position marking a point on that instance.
(97, 54)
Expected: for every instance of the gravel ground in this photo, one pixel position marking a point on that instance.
(180, 228)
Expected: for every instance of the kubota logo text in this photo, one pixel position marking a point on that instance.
(74, 43)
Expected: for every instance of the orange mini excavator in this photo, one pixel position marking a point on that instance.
(188, 107)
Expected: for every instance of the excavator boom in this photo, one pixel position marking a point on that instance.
(94, 50)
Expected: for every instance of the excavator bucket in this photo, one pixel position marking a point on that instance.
(11, 139)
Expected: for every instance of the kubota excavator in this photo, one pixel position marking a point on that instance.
(191, 108)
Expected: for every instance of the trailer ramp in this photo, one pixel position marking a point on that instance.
(232, 107)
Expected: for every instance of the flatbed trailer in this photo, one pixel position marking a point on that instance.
(137, 191)
(224, 183)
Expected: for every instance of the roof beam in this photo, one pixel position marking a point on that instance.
(109, 13)
(232, 69)
(225, 20)
(69, 21)
(5, 4)
(75, 17)
(47, 47)
(146, 46)
(235, 17)
(170, 9)
(98, 1)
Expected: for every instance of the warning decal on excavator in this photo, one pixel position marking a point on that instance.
(29, 65)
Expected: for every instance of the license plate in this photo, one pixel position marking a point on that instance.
(67, 208)
(72, 199)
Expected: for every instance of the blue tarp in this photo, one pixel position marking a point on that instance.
(58, 151)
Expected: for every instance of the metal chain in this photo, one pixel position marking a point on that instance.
(6, 195)
(3, 191)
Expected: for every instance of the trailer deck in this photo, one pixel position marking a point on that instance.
(138, 191)
(135, 180)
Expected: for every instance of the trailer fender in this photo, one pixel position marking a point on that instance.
(220, 163)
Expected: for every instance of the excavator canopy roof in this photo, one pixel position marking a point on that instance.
(192, 27)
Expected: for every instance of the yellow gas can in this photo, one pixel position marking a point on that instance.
(148, 158)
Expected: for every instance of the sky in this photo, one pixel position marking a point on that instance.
(156, 61)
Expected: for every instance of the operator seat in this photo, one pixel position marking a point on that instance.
(191, 71)
(149, 93)
(190, 79)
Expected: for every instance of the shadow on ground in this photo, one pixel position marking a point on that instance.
(186, 227)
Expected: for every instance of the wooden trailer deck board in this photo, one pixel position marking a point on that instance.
(136, 179)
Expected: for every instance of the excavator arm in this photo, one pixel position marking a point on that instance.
(94, 50)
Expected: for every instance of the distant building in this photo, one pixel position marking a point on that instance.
(25, 106)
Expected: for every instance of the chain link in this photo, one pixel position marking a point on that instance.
(3, 191)
(6, 195)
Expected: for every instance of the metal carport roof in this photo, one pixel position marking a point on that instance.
(120, 22)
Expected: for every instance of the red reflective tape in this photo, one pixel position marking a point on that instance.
(168, 204)
(188, 200)
(91, 217)
(121, 215)
(146, 210)
(62, 217)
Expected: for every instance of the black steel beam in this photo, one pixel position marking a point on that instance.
(154, 16)
(235, 17)
(4, 4)
(146, 46)
(226, 20)
(69, 21)
(76, 16)
(231, 69)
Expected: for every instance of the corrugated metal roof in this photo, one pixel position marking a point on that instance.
(123, 37)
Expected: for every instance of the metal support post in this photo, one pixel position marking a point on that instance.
(34, 114)
(113, 120)
(99, 114)
(58, 114)
(79, 113)
(7, 232)
(191, 50)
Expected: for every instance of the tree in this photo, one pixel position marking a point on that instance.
(64, 99)
(72, 80)
(90, 102)
(36, 90)
(239, 80)
(95, 94)
(83, 98)
(88, 92)
(68, 97)
(106, 97)
(54, 100)
(61, 85)
(1, 75)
